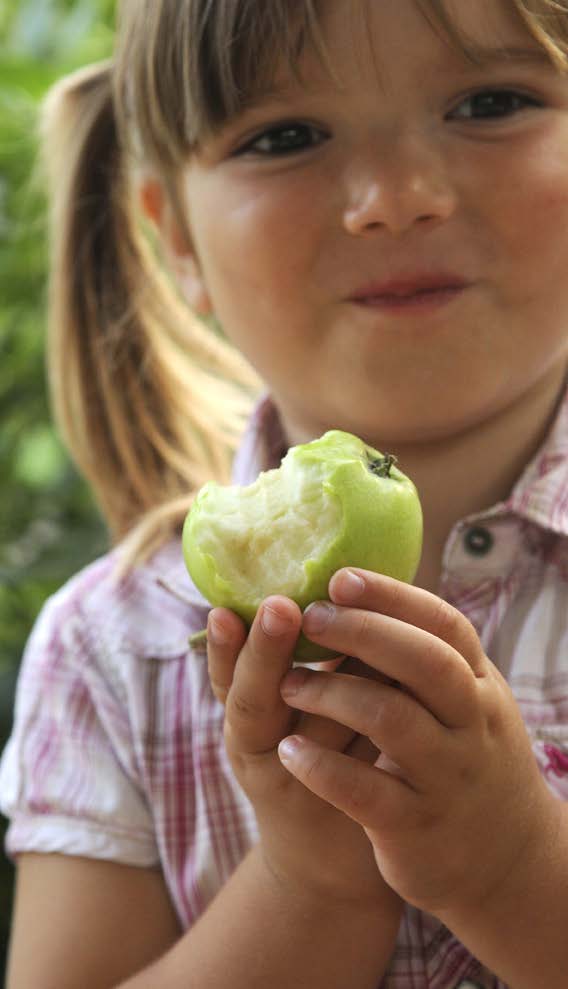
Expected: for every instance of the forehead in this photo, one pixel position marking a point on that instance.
(488, 24)
(365, 35)
(480, 21)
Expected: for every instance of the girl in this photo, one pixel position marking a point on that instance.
(371, 198)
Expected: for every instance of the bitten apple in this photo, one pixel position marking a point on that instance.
(332, 503)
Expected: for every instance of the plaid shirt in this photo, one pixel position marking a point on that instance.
(117, 748)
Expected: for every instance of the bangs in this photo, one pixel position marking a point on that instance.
(238, 50)
(186, 67)
(545, 20)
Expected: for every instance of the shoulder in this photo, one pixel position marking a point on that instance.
(150, 611)
(88, 649)
(92, 638)
(97, 699)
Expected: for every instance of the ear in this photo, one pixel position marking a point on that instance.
(181, 259)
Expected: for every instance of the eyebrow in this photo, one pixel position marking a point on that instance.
(272, 94)
(508, 53)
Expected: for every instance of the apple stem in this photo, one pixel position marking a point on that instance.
(198, 641)
(382, 466)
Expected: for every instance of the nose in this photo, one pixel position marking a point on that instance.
(397, 185)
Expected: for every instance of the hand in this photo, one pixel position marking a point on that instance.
(455, 799)
(306, 842)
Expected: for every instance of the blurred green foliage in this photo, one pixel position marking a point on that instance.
(49, 526)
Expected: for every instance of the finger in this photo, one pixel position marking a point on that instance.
(365, 793)
(226, 635)
(430, 669)
(375, 592)
(327, 731)
(256, 716)
(363, 749)
(323, 731)
(393, 721)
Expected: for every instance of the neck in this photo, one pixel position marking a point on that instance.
(468, 473)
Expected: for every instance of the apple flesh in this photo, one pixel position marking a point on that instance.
(332, 503)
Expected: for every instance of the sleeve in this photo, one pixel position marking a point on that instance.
(67, 782)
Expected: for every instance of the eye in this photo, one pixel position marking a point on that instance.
(493, 104)
(284, 139)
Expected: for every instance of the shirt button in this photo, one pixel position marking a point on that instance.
(478, 541)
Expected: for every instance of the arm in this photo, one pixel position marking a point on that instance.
(306, 908)
(258, 933)
(462, 823)
(81, 922)
(520, 929)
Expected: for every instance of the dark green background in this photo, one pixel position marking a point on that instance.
(49, 527)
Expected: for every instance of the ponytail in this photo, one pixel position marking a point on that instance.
(150, 402)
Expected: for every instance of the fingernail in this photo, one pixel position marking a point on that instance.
(217, 632)
(350, 585)
(273, 623)
(293, 682)
(289, 748)
(317, 616)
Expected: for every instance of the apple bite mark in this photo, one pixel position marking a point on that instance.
(332, 503)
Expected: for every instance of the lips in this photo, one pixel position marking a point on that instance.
(408, 287)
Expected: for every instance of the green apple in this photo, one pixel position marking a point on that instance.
(332, 503)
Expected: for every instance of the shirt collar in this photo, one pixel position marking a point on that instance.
(263, 444)
(540, 495)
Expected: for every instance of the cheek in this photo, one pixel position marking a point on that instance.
(530, 217)
(260, 242)
(257, 252)
(525, 248)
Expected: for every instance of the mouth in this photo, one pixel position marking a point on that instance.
(417, 292)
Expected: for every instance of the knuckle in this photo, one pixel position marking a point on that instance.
(366, 630)
(345, 790)
(388, 716)
(471, 644)
(435, 657)
(446, 621)
(397, 595)
(377, 719)
(456, 677)
(466, 773)
(260, 648)
(315, 768)
(317, 686)
(358, 798)
(242, 708)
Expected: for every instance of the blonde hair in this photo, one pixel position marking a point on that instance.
(150, 400)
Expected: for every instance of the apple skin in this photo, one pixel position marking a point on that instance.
(380, 528)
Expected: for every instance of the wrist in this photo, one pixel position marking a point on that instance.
(326, 893)
(536, 868)
(518, 928)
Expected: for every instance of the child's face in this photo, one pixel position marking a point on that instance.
(416, 164)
